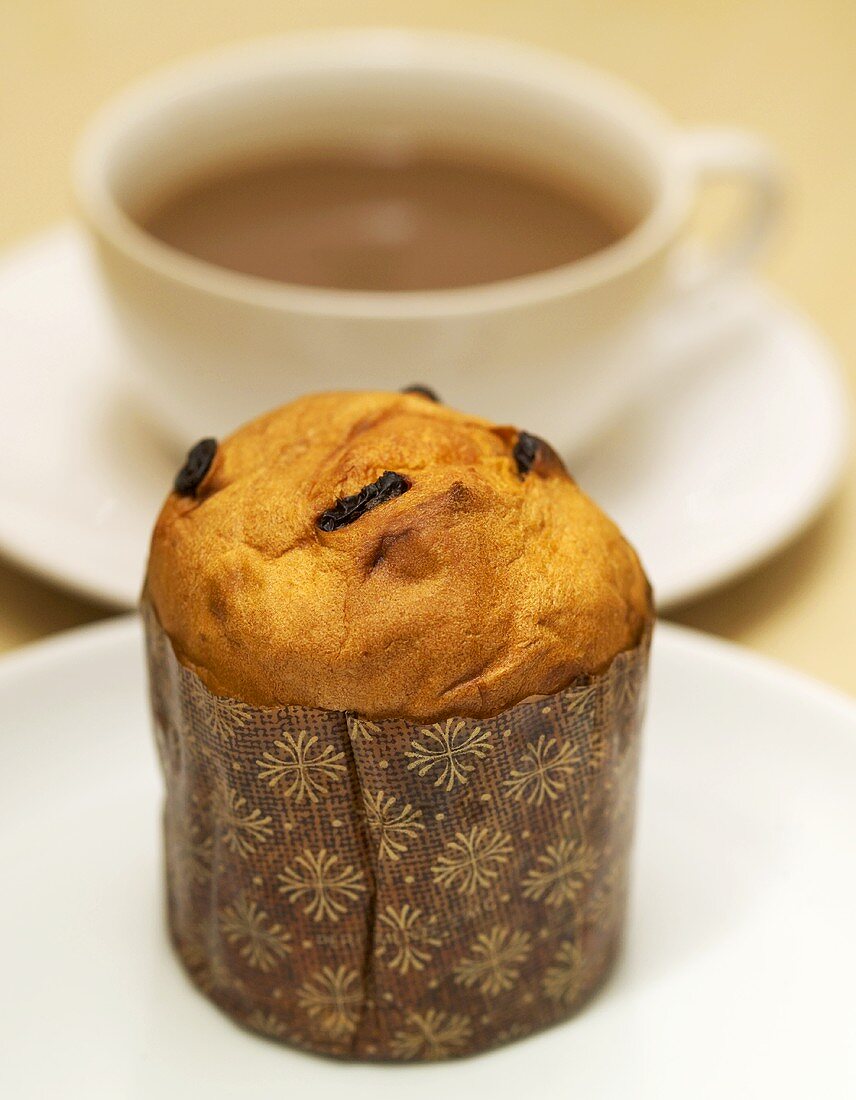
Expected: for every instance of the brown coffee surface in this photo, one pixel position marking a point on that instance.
(423, 222)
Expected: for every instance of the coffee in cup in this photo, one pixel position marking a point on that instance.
(531, 212)
(390, 219)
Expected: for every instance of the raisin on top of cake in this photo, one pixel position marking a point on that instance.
(384, 554)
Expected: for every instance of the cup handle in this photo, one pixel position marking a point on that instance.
(730, 155)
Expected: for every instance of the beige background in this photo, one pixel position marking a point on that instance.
(786, 68)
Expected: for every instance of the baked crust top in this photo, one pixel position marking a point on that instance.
(481, 584)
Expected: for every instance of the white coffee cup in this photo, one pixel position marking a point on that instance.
(552, 352)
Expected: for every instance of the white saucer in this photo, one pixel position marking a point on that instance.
(739, 970)
(718, 467)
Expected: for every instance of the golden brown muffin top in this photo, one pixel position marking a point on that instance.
(480, 585)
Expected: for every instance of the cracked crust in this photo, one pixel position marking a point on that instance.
(471, 591)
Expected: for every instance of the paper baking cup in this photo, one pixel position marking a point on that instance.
(397, 890)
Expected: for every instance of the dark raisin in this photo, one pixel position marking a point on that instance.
(423, 391)
(533, 455)
(196, 466)
(526, 451)
(346, 509)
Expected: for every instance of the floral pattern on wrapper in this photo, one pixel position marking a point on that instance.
(390, 890)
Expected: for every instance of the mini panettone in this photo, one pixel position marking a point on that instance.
(396, 664)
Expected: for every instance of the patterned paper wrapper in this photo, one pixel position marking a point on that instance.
(392, 890)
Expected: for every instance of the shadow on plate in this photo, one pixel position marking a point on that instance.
(705, 859)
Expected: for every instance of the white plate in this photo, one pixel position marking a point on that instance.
(740, 966)
(717, 468)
